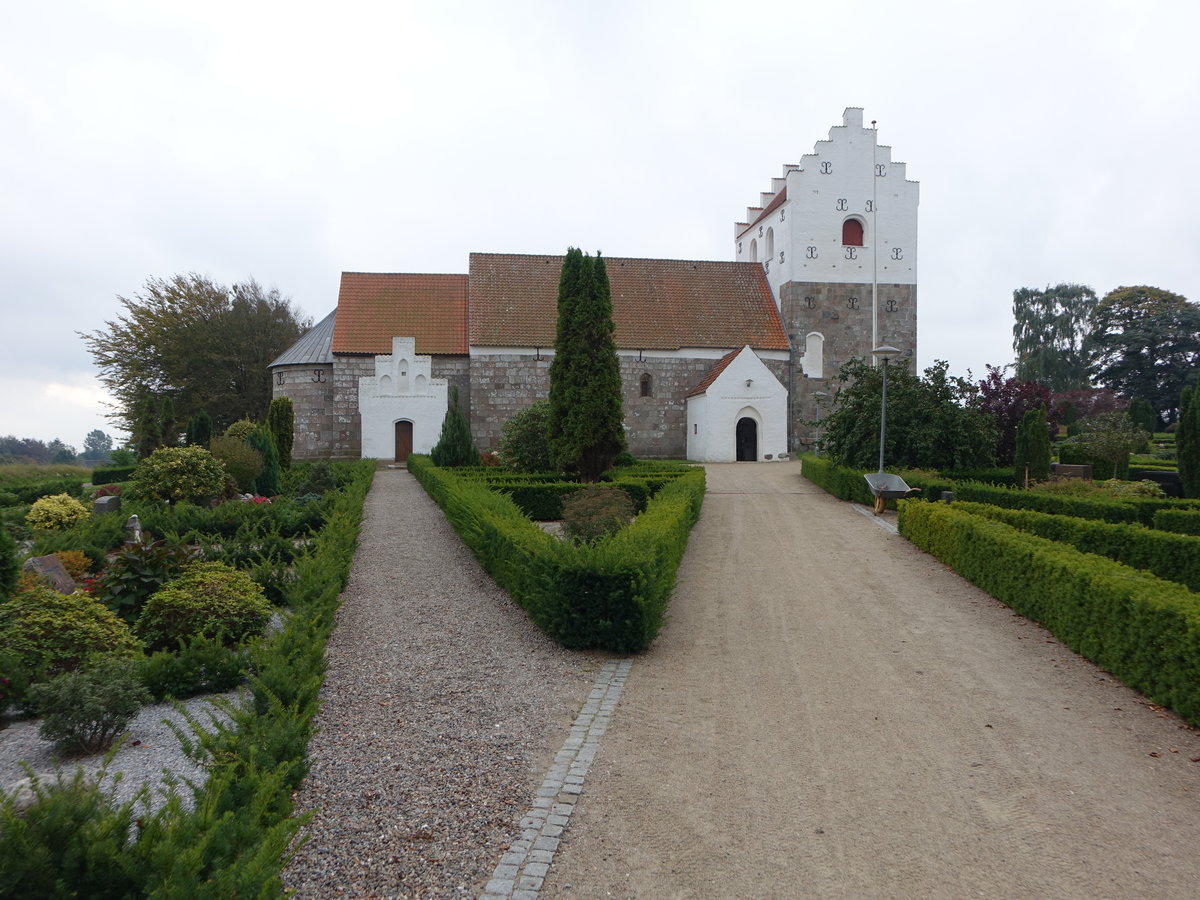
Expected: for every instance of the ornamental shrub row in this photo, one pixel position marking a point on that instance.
(1180, 521)
(230, 838)
(1173, 557)
(849, 484)
(611, 594)
(111, 475)
(1142, 629)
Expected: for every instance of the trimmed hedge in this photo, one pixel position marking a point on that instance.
(1179, 521)
(1172, 557)
(111, 475)
(849, 484)
(1143, 630)
(29, 491)
(610, 595)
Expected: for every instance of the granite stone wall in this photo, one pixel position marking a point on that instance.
(842, 314)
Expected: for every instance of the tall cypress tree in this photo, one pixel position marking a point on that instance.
(281, 420)
(1033, 446)
(586, 417)
(1187, 442)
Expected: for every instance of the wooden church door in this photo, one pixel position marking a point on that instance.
(404, 440)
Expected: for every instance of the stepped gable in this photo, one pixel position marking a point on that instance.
(658, 304)
(375, 307)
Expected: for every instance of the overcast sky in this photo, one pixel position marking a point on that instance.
(1054, 141)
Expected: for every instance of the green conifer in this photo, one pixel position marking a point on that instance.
(281, 419)
(586, 416)
(455, 446)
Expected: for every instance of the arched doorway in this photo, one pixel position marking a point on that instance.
(404, 440)
(747, 440)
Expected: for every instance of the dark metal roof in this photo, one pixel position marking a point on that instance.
(314, 348)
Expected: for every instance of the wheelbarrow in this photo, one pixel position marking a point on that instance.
(886, 486)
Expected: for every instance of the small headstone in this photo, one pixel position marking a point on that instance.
(51, 568)
(106, 504)
(133, 530)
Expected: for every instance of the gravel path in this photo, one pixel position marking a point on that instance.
(441, 712)
(831, 712)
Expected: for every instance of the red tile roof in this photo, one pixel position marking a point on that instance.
(374, 308)
(715, 372)
(658, 304)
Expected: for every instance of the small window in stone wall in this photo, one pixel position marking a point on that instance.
(754, 251)
(647, 385)
(770, 243)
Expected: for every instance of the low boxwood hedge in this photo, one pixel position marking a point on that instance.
(1142, 629)
(611, 594)
(1180, 521)
(1174, 557)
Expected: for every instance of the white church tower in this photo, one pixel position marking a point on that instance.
(837, 238)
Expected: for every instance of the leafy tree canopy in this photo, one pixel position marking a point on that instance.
(97, 445)
(933, 422)
(1007, 400)
(200, 343)
(1048, 335)
(1145, 342)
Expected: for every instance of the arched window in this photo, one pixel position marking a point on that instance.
(852, 233)
(812, 363)
(754, 250)
(647, 385)
(770, 243)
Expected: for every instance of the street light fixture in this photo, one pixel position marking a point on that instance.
(883, 354)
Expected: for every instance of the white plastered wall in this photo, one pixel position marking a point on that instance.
(402, 389)
(745, 389)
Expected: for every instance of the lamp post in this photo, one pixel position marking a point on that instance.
(818, 396)
(883, 354)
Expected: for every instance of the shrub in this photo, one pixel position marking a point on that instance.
(525, 439)
(112, 474)
(76, 562)
(9, 566)
(56, 632)
(267, 482)
(179, 473)
(208, 599)
(201, 665)
(57, 512)
(240, 429)
(595, 511)
(134, 573)
(241, 461)
(84, 711)
(1032, 456)
(14, 681)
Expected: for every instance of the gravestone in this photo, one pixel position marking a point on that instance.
(133, 530)
(1063, 470)
(51, 568)
(106, 504)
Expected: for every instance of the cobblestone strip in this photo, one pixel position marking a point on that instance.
(522, 868)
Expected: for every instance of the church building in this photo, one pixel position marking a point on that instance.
(720, 361)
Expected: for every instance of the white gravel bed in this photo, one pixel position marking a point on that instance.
(148, 749)
(442, 709)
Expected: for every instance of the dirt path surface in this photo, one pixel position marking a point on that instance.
(830, 712)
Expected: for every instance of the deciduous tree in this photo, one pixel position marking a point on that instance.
(932, 422)
(1049, 332)
(203, 344)
(1007, 400)
(1144, 342)
(586, 419)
